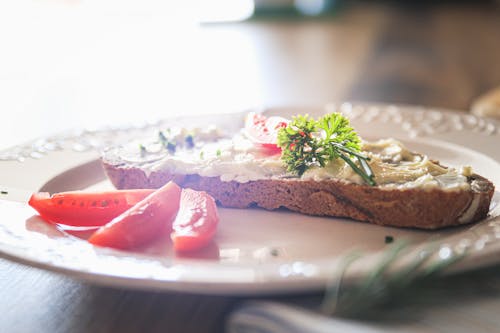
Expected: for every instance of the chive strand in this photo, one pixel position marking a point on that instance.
(360, 172)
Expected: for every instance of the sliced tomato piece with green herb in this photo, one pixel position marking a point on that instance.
(263, 130)
(196, 223)
(149, 218)
(85, 209)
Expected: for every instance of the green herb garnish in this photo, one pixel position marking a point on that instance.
(189, 141)
(307, 142)
(169, 145)
(143, 150)
(219, 152)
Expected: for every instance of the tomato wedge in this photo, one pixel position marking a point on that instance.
(85, 209)
(263, 131)
(149, 218)
(196, 223)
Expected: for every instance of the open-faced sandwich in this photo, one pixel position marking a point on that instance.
(312, 166)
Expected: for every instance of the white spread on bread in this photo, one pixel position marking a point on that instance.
(238, 159)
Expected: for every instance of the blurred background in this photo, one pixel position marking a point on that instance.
(88, 63)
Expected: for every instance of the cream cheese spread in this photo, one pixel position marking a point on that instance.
(211, 154)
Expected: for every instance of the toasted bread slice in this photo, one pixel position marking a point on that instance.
(417, 207)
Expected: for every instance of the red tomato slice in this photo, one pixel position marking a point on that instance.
(85, 209)
(263, 130)
(143, 222)
(196, 223)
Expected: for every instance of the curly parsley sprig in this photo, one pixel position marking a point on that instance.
(307, 142)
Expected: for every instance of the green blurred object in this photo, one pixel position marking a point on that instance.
(294, 8)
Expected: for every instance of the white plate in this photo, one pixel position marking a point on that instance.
(255, 251)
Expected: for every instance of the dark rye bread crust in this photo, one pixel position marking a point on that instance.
(417, 208)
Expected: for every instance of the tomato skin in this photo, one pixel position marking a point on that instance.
(85, 209)
(146, 220)
(196, 223)
(263, 131)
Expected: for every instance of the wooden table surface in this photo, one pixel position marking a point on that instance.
(443, 55)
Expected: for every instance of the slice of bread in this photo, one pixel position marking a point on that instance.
(424, 208)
